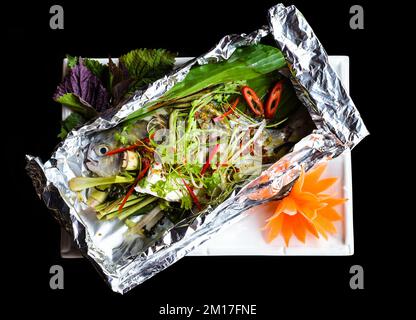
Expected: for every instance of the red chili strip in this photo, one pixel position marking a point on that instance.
(133, 146)
(230, 111)
(253, 100)
(273, 100)
(211, 156)
(146, 165)
(119, 150)
(192, 194)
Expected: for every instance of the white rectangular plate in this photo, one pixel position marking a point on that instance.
(246, 237)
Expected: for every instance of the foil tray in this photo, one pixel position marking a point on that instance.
(245, 236)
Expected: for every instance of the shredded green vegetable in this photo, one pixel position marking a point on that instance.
(215, 143)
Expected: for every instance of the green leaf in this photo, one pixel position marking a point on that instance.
(98, 69)
(212, 182)
(147, 65)
(245, 63)
(76, 104)
(262, 84)
(62, 135)
(72, 61)
(162, 188)
(186, 202)
(72, 121)
(159, 188)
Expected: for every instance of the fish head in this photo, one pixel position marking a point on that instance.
(105, 165)
(97, 159)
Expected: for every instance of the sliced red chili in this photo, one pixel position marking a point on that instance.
(138, 144)
(146, 165)
(273, 101)
(192, 194)
(230, 111)
(253, 100)
(119, 150)
(211, 156)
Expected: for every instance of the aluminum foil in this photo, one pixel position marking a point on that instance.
(127, 261)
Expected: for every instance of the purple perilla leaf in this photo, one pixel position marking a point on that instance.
(81, 82)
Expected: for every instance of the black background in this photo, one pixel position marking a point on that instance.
(309, 285)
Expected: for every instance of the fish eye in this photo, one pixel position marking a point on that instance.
(102, 150)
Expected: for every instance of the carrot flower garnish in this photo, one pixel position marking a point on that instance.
(306, 209)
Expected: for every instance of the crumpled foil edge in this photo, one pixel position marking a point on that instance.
(315, 81)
